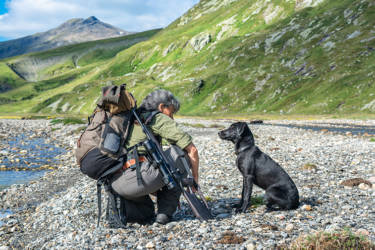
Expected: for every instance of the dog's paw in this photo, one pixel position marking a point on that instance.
(237, 205)
(241, 209)
(238, 210)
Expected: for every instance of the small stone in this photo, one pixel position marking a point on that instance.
(150, 245)
(289, 227)
(3, 152)
(364, 186)
(280, 216)
(223, 216)
(307, 207)
(362, 231)
(372, 179)
(309, 167)
(250, 246)
(332, 228)
(202, 230)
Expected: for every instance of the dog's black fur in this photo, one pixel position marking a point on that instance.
(259, 169)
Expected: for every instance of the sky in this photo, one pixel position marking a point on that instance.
(19, 18)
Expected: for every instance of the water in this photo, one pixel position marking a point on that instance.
(18, 177)
(3, 214)
(24, 159)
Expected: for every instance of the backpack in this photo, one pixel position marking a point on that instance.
(107, 129)
(100, 153)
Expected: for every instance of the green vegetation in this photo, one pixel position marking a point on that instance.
(331, 241)
(244, 59)
(257, 201)
(67, 121)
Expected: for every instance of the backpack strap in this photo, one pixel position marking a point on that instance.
(151, 115)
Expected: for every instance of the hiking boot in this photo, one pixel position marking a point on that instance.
(162, 219)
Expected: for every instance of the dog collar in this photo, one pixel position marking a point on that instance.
(243, 149)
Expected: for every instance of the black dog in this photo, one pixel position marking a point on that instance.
(259, 169)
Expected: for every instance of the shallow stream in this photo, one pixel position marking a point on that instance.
(24, 158)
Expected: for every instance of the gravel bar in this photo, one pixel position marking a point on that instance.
(59, 210)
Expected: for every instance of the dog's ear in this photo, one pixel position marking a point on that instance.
(242, 129)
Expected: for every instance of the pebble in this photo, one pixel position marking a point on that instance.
(289, 227)
(150, 245)
(364, 186)
(307, 207)
(250, 246)
(59, 211)
(223, 216)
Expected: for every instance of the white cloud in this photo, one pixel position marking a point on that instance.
(26, 17)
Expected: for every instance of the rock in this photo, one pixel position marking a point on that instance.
(250, 246)
(150, 245)
(309, 166)
(202, 230)
(372, 179)
(280, 216)
(220, 210)
(223, 216)
(4, 248)
(332, 228)
(364, 186)
(199, 41)
(3, 152)
(337, 220)
(289, 227)
(306, 207)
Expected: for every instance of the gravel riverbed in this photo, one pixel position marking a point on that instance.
(59, 210)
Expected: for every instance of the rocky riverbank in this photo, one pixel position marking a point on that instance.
(60, 209)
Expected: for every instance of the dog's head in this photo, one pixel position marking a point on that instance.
(236, 132)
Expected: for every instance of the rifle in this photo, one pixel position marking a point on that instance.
(173, 178)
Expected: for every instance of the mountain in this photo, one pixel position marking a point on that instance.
(73, 31)
(227, 57)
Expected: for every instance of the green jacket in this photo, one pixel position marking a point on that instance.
(163, 126)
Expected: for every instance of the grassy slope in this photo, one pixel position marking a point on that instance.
(63, 76)
(316, 60)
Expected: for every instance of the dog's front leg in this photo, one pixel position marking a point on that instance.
(246, 194)
(241, 201)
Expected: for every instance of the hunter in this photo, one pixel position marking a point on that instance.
(156, 110)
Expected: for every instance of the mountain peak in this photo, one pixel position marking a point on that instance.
(75, 30)
(92, 18)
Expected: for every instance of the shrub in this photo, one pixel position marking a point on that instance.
(331, 241)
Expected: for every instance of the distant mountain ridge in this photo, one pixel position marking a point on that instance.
(73, 31)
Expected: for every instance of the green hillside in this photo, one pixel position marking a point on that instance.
(221, 57)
